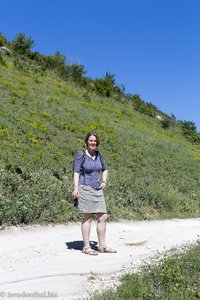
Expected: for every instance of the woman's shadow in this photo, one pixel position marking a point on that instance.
(78, 245)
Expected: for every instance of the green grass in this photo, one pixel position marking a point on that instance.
(176, 277)
(153, 172)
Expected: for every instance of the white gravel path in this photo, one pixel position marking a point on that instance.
(38, 262)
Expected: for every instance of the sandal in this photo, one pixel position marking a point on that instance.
(106, 250)
(89, 251)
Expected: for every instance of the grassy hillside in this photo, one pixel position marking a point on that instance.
(154, 172)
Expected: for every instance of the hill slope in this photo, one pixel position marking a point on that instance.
(154, 172)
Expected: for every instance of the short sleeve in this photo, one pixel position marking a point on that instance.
(103, 163)
(78, 160)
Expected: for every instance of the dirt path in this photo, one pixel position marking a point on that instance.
(46, 262)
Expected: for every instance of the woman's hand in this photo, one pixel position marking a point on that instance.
(75, 194)
(103, 185)
(104, 179)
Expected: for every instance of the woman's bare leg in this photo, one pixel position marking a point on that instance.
(101, 228)
(85, 229)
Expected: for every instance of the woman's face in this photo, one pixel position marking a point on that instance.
(92, 143)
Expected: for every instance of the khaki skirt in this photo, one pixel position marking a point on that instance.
(91, 200)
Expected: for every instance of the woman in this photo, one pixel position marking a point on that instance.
(90, 177)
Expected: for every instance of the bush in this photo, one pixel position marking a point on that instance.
(41, 200)
(48, 61)
(22, 44)
(2, 61)
(105, 86)
(189, 131)
(3, 40)
(188, 125)
(75, 72)
(166, 123)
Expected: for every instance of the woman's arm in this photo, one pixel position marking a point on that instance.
(104, 179)
(76, 181)
(78, 161)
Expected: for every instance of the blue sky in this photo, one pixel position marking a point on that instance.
(151, 46)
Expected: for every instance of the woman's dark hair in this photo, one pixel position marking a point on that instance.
(94, 134)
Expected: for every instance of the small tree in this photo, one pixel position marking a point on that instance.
(188, 125)
(22, 44)
(105, 86)
(3, 40)
(138, 103)
(75, 73)
(173, 118)
(151, 109)
(189, 130)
